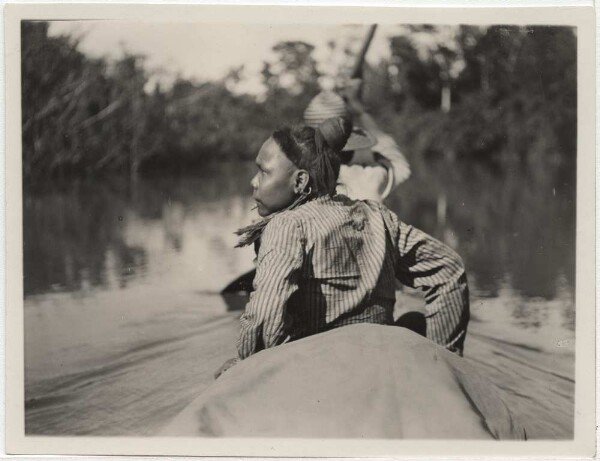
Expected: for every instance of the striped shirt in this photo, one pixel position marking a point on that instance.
(333, 261)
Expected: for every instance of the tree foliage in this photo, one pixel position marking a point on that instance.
(514, 100)
(500, 94)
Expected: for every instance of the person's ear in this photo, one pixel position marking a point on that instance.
(301, 181)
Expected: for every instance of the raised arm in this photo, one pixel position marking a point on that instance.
(426, 263)
(279, 263)
(386, 150)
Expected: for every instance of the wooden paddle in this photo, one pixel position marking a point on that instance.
(357, 72)
(241, 284)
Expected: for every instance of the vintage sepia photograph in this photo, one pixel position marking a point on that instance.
(316, 230)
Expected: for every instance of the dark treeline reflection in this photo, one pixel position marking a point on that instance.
(514, 229)
(68, 231)
(74, 229)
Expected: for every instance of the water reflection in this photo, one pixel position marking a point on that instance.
(515, 231)
(72, 231)
(104, 234)
(517, 226)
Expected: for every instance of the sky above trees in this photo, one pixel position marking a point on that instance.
(209, 51)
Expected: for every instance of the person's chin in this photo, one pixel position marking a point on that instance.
(262, 211)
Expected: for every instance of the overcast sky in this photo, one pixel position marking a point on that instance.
(208, 51)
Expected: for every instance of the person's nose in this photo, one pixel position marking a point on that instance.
(254, 182)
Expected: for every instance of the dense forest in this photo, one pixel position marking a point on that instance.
(501, 95)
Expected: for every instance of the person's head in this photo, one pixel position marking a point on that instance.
(299, 160)
(328, 104)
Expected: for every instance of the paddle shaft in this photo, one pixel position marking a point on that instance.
(357, 72)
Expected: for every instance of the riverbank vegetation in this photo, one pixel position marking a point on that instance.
(502, 95)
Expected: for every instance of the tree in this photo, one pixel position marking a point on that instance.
(437, 49)
(291, 80)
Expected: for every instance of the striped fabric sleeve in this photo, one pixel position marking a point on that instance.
(278, 268)
(426, 263)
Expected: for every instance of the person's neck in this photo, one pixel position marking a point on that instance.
(251, 233)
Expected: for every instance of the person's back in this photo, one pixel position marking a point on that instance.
(347, 273)
(333, 261)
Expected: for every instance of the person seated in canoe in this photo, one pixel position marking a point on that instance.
(318, 356)
(372, 165)
(327, 261)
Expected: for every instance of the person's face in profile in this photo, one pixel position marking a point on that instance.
(273, 185)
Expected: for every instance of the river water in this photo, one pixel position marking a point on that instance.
(116, 268)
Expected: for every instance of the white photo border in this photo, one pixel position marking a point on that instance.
(583, 444)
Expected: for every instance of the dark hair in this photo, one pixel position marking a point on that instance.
(316, 150)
